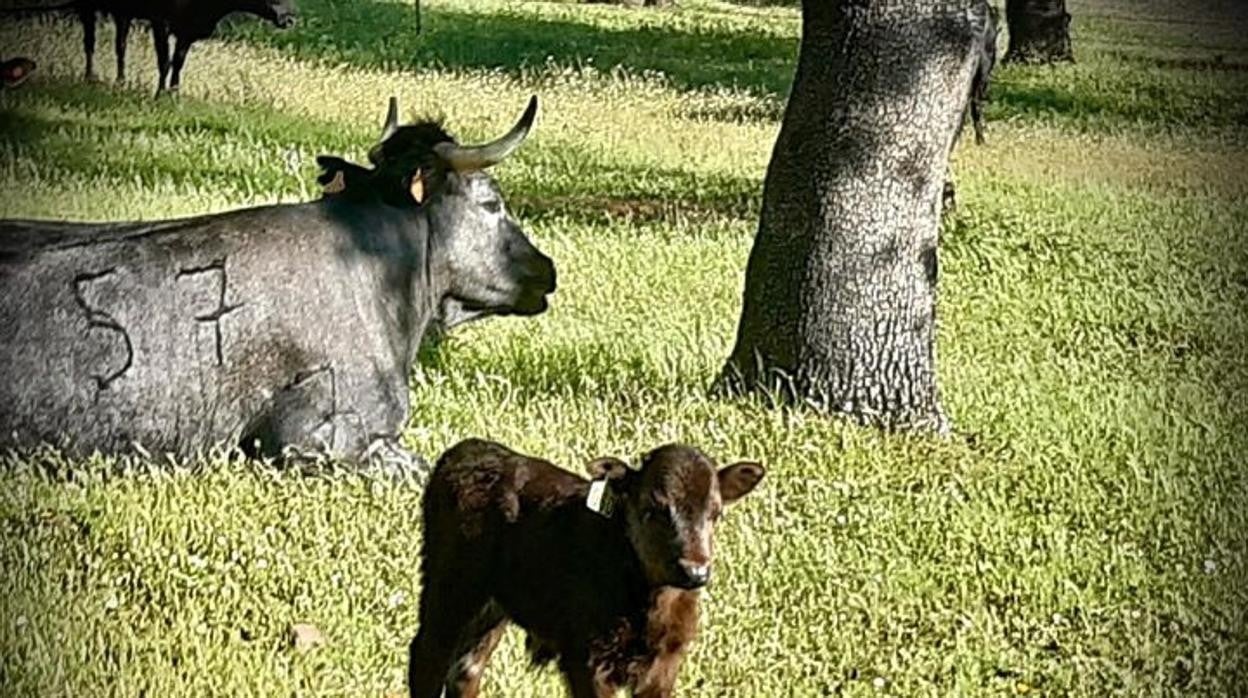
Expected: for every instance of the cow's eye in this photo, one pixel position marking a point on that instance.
(493, 206)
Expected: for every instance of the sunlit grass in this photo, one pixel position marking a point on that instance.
(1083, 534)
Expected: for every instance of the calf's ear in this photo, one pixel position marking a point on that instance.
(607, 467)
(738, 479)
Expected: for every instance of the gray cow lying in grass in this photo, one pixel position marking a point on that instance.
(275, 329)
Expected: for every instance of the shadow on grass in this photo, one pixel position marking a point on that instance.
(93, 109)
(384, 35)
(1164, 102)
(92, 131)
(1213, 62)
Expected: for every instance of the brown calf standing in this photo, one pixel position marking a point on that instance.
(609, 593)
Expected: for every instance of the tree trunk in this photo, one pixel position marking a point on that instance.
(1039, 31)
(840, 289)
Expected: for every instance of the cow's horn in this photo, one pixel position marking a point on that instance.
(387, 129)
(392, 119)
(476, 157)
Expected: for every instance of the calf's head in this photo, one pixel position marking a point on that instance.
(670, 508)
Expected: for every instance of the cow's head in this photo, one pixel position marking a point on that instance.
(280, 12)
(487, 263)
(670, 507)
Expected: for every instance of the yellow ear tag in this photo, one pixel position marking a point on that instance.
(417, 187)
(337, 184)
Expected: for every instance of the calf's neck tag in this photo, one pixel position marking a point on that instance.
(600, 499)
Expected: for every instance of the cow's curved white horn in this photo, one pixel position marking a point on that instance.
(387, 129)
(477, 157)
(392, 119)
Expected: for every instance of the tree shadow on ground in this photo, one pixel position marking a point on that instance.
(1167, 102)
(386, 35)
(75, 130)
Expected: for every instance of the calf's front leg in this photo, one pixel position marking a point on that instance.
(659, 680)
(583, 681)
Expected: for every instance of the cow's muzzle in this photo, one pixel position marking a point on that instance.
(286, 21)
(539, 280)
(696, 575)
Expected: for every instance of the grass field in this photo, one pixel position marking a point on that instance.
(1085, 533)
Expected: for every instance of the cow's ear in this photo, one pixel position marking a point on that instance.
(738, 479)
(337, 175)
(337, 184)
(606, 468)
(417, 187)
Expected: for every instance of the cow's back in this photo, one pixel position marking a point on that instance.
(173, 334)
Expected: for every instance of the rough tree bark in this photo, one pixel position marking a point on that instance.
(840, 288)
(1039, 31)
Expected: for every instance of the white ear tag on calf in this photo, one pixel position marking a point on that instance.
(600, 500)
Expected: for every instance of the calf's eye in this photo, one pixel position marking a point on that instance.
(492, 206)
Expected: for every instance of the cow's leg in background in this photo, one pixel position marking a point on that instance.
(373, 409)
(160, 40)
(340, 412)
(181, 47)
(86, 14)
(123, 34)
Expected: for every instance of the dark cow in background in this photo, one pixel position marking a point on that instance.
(985, 62)
(187, 21)
(278, 328)
(603, 576)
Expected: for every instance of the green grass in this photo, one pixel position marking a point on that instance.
(1085, 533)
